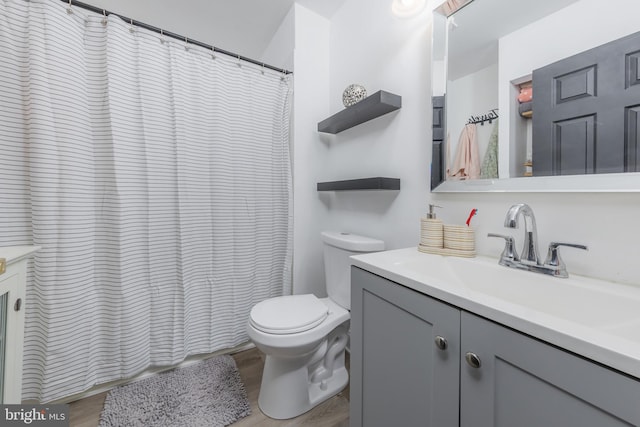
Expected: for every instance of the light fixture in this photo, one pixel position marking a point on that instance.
(407, 8)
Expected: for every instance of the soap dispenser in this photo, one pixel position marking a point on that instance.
(431, 229)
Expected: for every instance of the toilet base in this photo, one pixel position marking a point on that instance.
(291, 387)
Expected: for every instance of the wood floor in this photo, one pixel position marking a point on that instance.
(332, 413)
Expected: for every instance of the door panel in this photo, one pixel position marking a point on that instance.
(527, 383)
(601, 84)
(398, 375)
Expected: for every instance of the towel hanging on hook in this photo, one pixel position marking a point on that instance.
(488, 117)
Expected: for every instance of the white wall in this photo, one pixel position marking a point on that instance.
(279, 51)
(311, 104)
(370, 46)
(367, 45)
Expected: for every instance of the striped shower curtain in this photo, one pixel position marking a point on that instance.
(155, 176)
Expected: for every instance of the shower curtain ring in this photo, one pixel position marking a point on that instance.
(239, 64)
(104, 17)
(186, 43)
(213, 52)
(69, 10)
(162, 40)
(131, 29)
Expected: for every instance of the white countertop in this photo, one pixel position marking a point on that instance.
(597, 319)
(16, 253)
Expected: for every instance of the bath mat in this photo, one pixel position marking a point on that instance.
(209, 393)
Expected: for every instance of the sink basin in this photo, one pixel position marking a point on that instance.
(584, 301)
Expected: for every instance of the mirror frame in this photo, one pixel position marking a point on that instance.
(628, 182)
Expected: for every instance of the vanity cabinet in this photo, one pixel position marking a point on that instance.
(399, 376)
(13, 273)
(487, 375)
(524, 382)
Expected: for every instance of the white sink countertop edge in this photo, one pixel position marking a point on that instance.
(595, 344)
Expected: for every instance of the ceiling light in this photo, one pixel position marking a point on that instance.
(407, 8)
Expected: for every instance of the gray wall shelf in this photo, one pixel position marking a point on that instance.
(375, 105)
(377, 183)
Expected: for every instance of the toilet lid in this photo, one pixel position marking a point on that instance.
(288, 314)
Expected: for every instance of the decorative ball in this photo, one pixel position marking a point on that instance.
(353, 94)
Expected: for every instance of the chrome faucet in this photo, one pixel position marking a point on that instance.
(530, 248)
(529, 259)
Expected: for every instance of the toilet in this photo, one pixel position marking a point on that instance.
(304, 337)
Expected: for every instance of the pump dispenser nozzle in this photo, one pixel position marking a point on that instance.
(432, 213)
(431, 234)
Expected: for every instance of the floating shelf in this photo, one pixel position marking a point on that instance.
(376, 105)
(377, 183)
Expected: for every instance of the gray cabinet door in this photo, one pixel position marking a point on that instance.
(585, 111)
(527, 383)
(398, 375)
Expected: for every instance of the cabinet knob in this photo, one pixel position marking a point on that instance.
(473, 360)
(441, 342)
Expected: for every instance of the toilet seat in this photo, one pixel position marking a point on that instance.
(288, 314)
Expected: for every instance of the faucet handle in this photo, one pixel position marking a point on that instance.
(509, 253)
(553, 255)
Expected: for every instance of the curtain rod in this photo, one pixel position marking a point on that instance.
(173, 35)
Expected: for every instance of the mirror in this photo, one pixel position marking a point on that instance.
(488, 55)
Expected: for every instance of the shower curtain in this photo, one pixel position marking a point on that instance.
(156, 177)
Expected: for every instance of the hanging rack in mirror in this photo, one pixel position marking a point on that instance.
(487, 117)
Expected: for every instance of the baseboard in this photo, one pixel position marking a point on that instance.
(101, 388)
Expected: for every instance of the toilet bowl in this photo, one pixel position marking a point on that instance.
(304, 337)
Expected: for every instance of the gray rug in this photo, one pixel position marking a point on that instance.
(209, 393)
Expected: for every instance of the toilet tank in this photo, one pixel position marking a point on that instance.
(338, 247)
